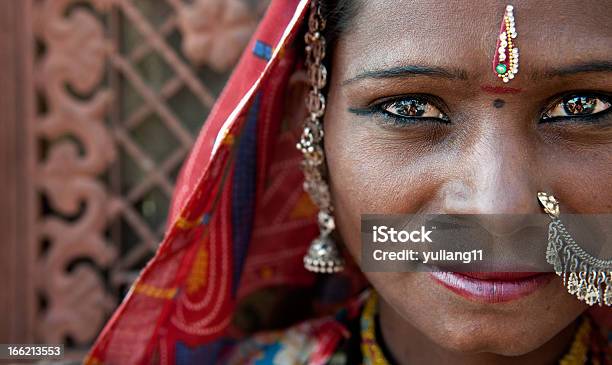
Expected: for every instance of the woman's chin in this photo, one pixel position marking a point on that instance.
(464, 314)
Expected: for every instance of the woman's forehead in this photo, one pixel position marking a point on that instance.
(462, 34)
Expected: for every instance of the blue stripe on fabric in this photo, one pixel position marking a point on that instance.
(262, 50)
(243, 190)
(206, 219)
(201, 355)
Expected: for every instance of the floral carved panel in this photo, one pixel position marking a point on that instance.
(77, 148)
(121, 88)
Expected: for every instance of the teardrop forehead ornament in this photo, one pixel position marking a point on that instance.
(506, 59)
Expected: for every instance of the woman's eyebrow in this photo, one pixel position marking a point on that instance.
(408, 71)
(584, 67)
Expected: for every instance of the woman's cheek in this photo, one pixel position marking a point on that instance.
(371, 174)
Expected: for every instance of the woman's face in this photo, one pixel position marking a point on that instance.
(476, 149)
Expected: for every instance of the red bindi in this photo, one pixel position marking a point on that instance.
(500, 89)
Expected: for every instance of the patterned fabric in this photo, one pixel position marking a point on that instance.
(331, 340)
(312, 342)
(239, 224)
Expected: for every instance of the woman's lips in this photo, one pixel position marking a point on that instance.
(492, 287)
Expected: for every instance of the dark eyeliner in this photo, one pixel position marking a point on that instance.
(589, 118)
(377, 109)
(596, 118)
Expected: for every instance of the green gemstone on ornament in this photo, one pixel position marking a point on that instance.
(501, 69)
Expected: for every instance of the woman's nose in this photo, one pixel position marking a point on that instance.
(496, 174)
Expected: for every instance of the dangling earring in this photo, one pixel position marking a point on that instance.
(586, 277)
(323, 255)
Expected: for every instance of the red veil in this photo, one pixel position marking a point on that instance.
(239, 220)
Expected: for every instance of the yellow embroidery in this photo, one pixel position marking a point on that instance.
(184, 223)
(155, 292)
(197, 276)
(229, 139)
(91, 360)
(266, 272)
(372, 353)
(304, 208)
(579, 351)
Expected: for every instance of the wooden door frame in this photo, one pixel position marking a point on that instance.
(17, 173)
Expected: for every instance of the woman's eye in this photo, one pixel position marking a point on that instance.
(578, 106)
(412, 108)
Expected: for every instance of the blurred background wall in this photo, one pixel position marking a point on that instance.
(100, 102)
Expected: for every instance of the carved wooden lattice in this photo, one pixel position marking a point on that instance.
(119, 103)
